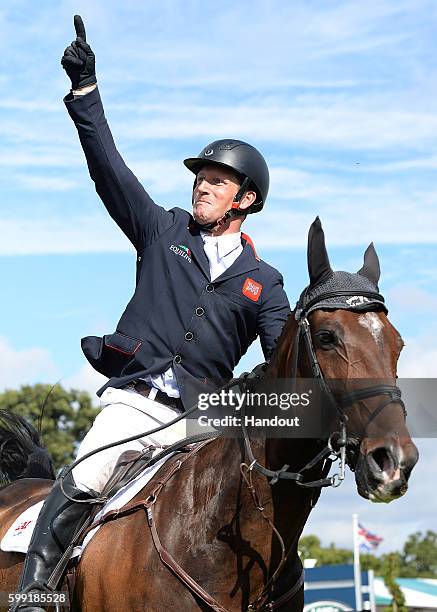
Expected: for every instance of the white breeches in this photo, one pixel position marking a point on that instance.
(124, 413)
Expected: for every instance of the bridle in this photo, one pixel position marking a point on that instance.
(338, 446)
(338, 442)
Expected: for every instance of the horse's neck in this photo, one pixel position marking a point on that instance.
(225, 501)
(284, 504)
(290, 499)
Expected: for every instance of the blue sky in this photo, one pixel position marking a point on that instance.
(339, 96)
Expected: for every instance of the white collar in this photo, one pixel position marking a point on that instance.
(225, 243)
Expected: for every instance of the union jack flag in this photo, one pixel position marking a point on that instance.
(368, 541)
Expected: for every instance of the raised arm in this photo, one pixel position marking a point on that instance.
(124, 197)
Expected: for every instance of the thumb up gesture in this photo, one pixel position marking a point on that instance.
(78, 60)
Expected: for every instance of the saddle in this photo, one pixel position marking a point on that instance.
(129, 465)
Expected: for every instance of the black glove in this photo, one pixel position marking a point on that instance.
(78, 60)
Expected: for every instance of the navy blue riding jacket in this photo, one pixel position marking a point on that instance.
(177, 317)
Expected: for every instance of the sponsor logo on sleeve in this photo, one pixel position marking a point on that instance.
(252, 289)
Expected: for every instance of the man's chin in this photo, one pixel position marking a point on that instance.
(201, 219)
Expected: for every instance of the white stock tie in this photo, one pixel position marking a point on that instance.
(216, 266)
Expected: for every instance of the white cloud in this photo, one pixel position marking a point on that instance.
(32, 365)
(85, 234)
(162, 177)
(298, 39)
(34, 105)
(25, 366)
(329, 81)
(412, 298)
(419, 358)
(411, 164)
(340, 124)
(346, 222)
(86, 379)
(40, 156)
(44, 183)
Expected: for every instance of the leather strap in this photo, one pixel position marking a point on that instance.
(174, 566)
(195, 587)
(286, 597)
(147, 505)
(134, 505)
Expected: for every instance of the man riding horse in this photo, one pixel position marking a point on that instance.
(202, 296)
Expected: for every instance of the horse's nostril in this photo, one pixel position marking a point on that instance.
(383, 459)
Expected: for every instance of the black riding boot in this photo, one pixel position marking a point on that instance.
(57, 523)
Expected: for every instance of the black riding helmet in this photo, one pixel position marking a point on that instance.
(243, 159)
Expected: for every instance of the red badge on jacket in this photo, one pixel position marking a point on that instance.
(252, 289)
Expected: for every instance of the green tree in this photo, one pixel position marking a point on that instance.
(63, 417)
(418, 559)
(310, 548)
(391, 572)
(420, 555)
(371, 562)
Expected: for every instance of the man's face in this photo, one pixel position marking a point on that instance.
(214, 192)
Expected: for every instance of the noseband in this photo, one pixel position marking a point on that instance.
(338, 443)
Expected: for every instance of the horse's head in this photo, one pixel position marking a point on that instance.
(348, 343)
(352, 348)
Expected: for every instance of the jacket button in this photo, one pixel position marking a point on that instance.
(177, 359)
(199, 311)
(189, 336)
(209, 288)
(139, 258)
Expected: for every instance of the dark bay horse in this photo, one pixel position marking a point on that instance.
(216, 516)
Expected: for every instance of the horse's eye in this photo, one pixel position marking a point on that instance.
(326, 338)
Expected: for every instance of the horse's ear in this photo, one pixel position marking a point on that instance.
(319, 267)
(371, 269)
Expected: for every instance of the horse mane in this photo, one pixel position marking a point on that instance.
(280, 361)
(22, 454)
